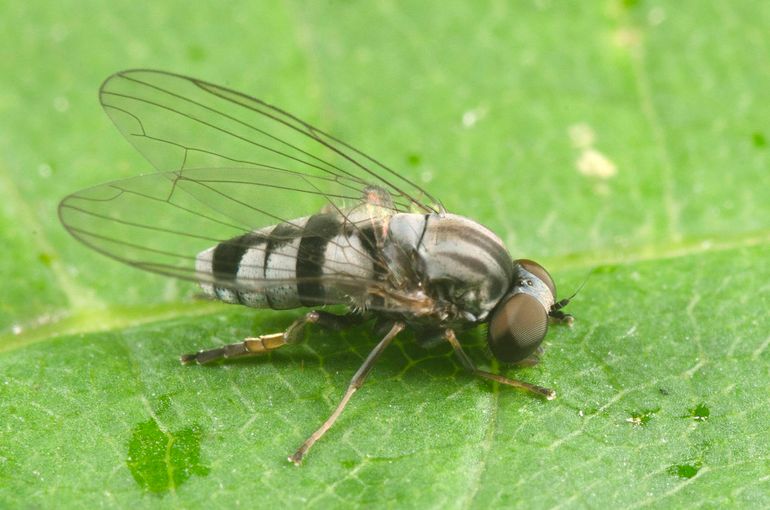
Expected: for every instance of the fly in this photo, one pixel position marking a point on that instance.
(262, 209)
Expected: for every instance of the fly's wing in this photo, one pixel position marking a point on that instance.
(181, 123)
(159, 222)
(229, 166)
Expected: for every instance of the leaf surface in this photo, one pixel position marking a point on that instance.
(624, 140)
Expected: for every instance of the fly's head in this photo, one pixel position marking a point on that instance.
(519, 322)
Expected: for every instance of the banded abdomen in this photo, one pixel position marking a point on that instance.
(304, 262)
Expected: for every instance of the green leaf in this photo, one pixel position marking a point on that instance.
(625, 140)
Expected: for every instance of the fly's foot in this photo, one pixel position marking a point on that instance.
(252, 346)
(249, 347)
(541, 391)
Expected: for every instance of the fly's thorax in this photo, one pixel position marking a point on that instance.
(457, 260)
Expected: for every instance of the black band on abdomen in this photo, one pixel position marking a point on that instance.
(228, 254)
(319, 230)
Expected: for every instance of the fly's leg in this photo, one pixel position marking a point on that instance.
(248, 347)
(355, 384)
(468, 364)
(252, 346)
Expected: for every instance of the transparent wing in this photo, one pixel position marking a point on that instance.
(160, 222)
(181, 123)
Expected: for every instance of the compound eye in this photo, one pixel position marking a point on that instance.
(539, 271)
(517, 328)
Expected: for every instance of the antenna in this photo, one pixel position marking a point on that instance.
(564, 302)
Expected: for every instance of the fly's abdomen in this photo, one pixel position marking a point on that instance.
(305, 262)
